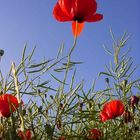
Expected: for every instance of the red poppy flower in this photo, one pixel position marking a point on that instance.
(62, 138)
(27, 136)
(78, 11)
(95, 134)
(112, 110)
(8, 104)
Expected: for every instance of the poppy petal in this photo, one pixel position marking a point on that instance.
(20, 134)
(4, 109)
(77, 28)
(12, 100)
(95, 134)
(112, 110)
(104, 117)
(8, 103)
(67, 6)
(29, 134)
(85, 8)
(94, 18)
(60, 14)
(62, 138)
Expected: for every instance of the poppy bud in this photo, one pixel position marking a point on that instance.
(107, 80)
(1, 52)
(134, 100)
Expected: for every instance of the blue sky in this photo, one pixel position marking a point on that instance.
(32, 22)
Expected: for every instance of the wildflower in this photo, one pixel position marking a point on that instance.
(111, 110)
(8, 104)
(94, 134)
(77, 11)
(27, 135)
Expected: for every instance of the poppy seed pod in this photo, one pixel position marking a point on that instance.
(107, 80)
(1, 52)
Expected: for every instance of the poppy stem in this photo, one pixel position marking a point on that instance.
(65, 77)
(68, 63)
(75, 40)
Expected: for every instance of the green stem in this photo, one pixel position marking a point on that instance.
(68, 63)
(65, 76)
(18, 95)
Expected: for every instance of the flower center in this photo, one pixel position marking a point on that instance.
(80, 20)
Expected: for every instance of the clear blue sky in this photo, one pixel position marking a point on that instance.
(31, 22)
